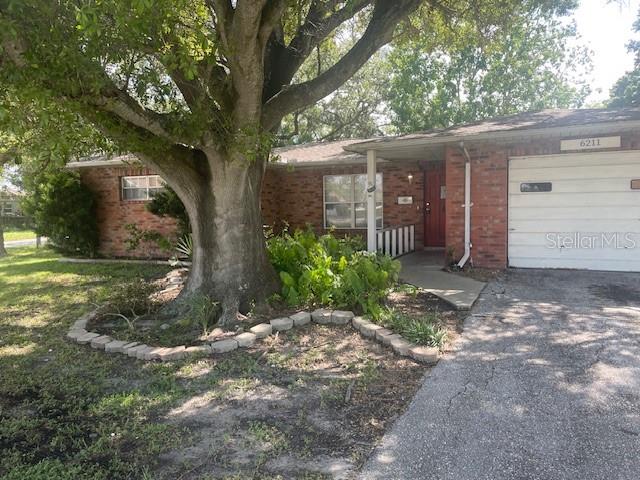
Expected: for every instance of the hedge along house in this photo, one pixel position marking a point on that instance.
(549, 189)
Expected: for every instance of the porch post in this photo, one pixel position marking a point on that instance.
(371, 201)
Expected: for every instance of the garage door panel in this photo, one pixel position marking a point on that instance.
(589, 197)
(585, 225)
(618, 184)
(628, 214)
(615, 245)
(576, 160)
(608, 265)
(576, 199)
(575, 173)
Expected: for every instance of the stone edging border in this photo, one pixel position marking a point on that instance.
(422, 354)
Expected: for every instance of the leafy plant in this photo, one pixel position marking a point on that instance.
(184, 247)
(203, 311)
(137, 236)
(330, 271)
(424, 330)
(166, 203)
(130, 301)
(63, 209)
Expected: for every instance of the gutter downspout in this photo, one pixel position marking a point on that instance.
(467, 207)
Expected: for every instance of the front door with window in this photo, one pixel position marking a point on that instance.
(434, 204)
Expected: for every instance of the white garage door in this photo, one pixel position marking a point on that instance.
(575, 211)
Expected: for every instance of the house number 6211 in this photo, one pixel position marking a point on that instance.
(590, 142)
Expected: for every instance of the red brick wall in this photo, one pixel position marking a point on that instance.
(113, 213)
(489, 195)
(294, 196)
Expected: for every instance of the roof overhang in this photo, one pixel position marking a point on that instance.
(414, 146)
(114, 162)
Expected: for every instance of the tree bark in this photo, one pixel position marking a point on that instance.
(230, 263)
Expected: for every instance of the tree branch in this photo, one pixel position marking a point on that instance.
(385, 17)
(285, 61)
(109, 99)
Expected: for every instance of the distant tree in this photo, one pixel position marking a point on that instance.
(444, 76)
(450, 71)
(626, 91)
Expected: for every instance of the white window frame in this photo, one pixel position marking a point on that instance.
(6, 208)
(147, 189)
(353, 201)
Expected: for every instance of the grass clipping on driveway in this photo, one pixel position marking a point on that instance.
(298, 405)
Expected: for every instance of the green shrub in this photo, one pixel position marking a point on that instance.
(63, 209)
(166, 203)
(202, 311)
(424, 330)
(330, 271)
(138, 236)
(131, 300)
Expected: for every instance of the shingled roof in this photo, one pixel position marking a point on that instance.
(317, 153)
(522, 122)
(353, 150)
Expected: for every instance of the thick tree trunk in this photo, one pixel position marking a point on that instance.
(3, 251)
(230, 262)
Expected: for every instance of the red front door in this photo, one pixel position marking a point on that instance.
(434, 201)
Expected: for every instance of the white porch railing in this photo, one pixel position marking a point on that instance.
(396, 241)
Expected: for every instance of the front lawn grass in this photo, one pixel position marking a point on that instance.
(12, 234)
(295, 405)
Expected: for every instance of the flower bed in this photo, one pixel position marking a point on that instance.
(401, 346)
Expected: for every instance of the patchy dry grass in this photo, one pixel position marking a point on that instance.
(307, 404)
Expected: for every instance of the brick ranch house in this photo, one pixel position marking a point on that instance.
(548, 189)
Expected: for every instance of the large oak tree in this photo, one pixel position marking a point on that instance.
(198, 88)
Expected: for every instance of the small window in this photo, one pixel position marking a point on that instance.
(141, 187)
(535, 187)
(635, 184)
(345, 201)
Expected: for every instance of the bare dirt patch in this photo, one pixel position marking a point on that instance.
(310, 403)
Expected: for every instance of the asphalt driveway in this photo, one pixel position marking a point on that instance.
(543, 384)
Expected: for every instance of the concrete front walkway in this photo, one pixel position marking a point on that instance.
(424, 269)
(544, 383)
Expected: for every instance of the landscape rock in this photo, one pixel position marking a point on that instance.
(281, 324)
(87, 338)
(224, 346)
(341, 317)
(127, 346)
(154, 353)
(198, 350)
(174, 353)
(321, 316)
(423, 354)
(100, 342)
(133, 351)
(401, 346)
(261, 330)
(142, 352)
(386, 340)
(357, 322)
(369, 329)
(75, 334)
(114, 346)
(301, 318)
(245, 339)
(383, 332)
